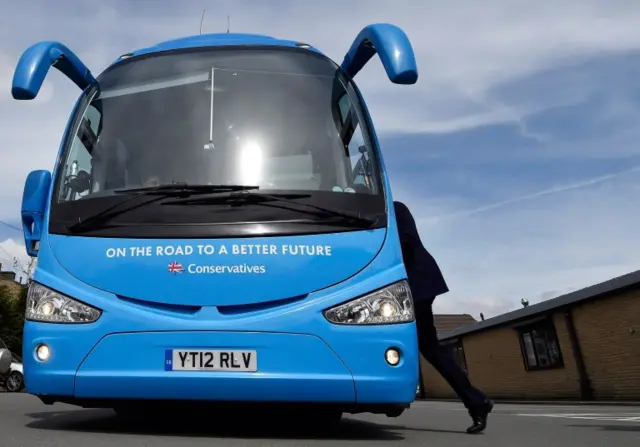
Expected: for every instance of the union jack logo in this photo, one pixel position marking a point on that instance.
(175, 267)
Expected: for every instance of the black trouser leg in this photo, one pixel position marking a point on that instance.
(442, 360)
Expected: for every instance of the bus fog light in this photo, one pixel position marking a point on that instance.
(392, 356)
(43, 353)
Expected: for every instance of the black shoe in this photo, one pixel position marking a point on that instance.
(480, 416)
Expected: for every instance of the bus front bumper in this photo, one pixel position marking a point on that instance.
(85, 367)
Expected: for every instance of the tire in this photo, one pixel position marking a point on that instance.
(14, 382)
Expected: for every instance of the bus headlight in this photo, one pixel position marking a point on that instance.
(46, 305)
(389, 305)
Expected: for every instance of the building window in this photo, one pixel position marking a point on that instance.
(457, 351)
(540, 346)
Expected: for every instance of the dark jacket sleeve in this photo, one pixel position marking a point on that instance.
(424, 275)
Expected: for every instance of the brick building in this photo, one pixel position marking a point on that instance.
(448, 322)
(581, 346)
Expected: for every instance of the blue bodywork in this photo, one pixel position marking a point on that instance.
(146, 310)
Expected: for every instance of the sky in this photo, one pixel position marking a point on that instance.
(517, 150)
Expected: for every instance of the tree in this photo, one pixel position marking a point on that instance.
(12, 307)
(27, 269)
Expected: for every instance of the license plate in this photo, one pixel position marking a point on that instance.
(210, 360)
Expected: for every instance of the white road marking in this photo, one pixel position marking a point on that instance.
(612, 417)
(567, 411)
(512, 408)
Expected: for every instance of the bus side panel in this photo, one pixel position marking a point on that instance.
(363, 350)
(71, 344)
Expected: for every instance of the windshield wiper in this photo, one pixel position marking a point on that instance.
(187, 188)
(254, 198)
(174, 189)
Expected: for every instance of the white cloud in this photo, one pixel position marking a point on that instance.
(467, 52)
(540, 246)
(538, 194)
(463, 49)
(10, 250)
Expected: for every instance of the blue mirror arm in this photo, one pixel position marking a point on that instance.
(68, 63)
(32, 230)
(34, 204)
(34, 65)
(393, 47)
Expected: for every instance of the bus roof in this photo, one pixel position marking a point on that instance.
(384, 39)
(216, 40)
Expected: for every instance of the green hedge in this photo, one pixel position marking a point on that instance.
(12, 317)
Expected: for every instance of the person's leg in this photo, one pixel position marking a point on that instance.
(442, 360)
(472, 398)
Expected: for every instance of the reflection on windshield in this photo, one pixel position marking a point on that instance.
(278, 119)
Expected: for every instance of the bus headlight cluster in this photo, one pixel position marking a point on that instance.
(389, 305)
(46, 305)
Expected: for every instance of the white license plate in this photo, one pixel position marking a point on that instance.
(210, 360)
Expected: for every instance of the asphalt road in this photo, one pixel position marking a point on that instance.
(25, 422)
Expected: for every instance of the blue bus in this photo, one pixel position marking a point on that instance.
(219, 227)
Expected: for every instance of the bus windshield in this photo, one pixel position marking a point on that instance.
(280, 119)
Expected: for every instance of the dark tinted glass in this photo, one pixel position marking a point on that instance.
(278, 119)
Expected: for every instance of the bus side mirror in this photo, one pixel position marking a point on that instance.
(34, 203)
(393, 47)
(5, 361)
(34, 65)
